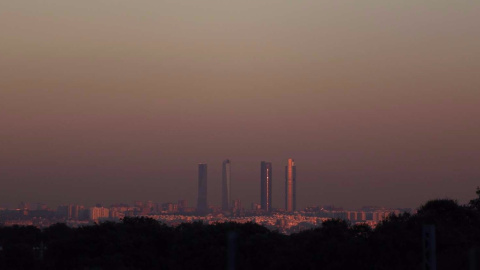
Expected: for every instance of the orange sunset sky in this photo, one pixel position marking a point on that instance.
(111, 101)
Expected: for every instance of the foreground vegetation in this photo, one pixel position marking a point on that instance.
(142, 243)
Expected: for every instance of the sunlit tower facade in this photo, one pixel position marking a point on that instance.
(226, 185)
(202, 206)
(266, 186)
(290, 186)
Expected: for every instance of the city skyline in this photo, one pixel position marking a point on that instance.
(216, 197)
(167, 134)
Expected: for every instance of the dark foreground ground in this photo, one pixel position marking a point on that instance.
(141, 243)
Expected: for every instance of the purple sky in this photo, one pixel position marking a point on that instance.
(377, 101)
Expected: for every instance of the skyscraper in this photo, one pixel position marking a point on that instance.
(266, 186)
(226, 185)
(290, 186)
(202, 188)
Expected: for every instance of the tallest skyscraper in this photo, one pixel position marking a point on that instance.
(226, 185)
(290, 186)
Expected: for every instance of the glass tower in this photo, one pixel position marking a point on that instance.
(202, 188)
(266, 186)
(290, 186)
(226, 185)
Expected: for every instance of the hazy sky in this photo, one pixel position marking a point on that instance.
(107, 101)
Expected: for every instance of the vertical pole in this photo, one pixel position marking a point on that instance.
(429, 247)
(232, 237)
(42, 249)
(472, 259)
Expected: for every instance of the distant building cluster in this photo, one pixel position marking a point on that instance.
(173, 214)
(286, 220)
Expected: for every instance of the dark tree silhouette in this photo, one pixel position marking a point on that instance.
(475, 203)
(144, 243)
